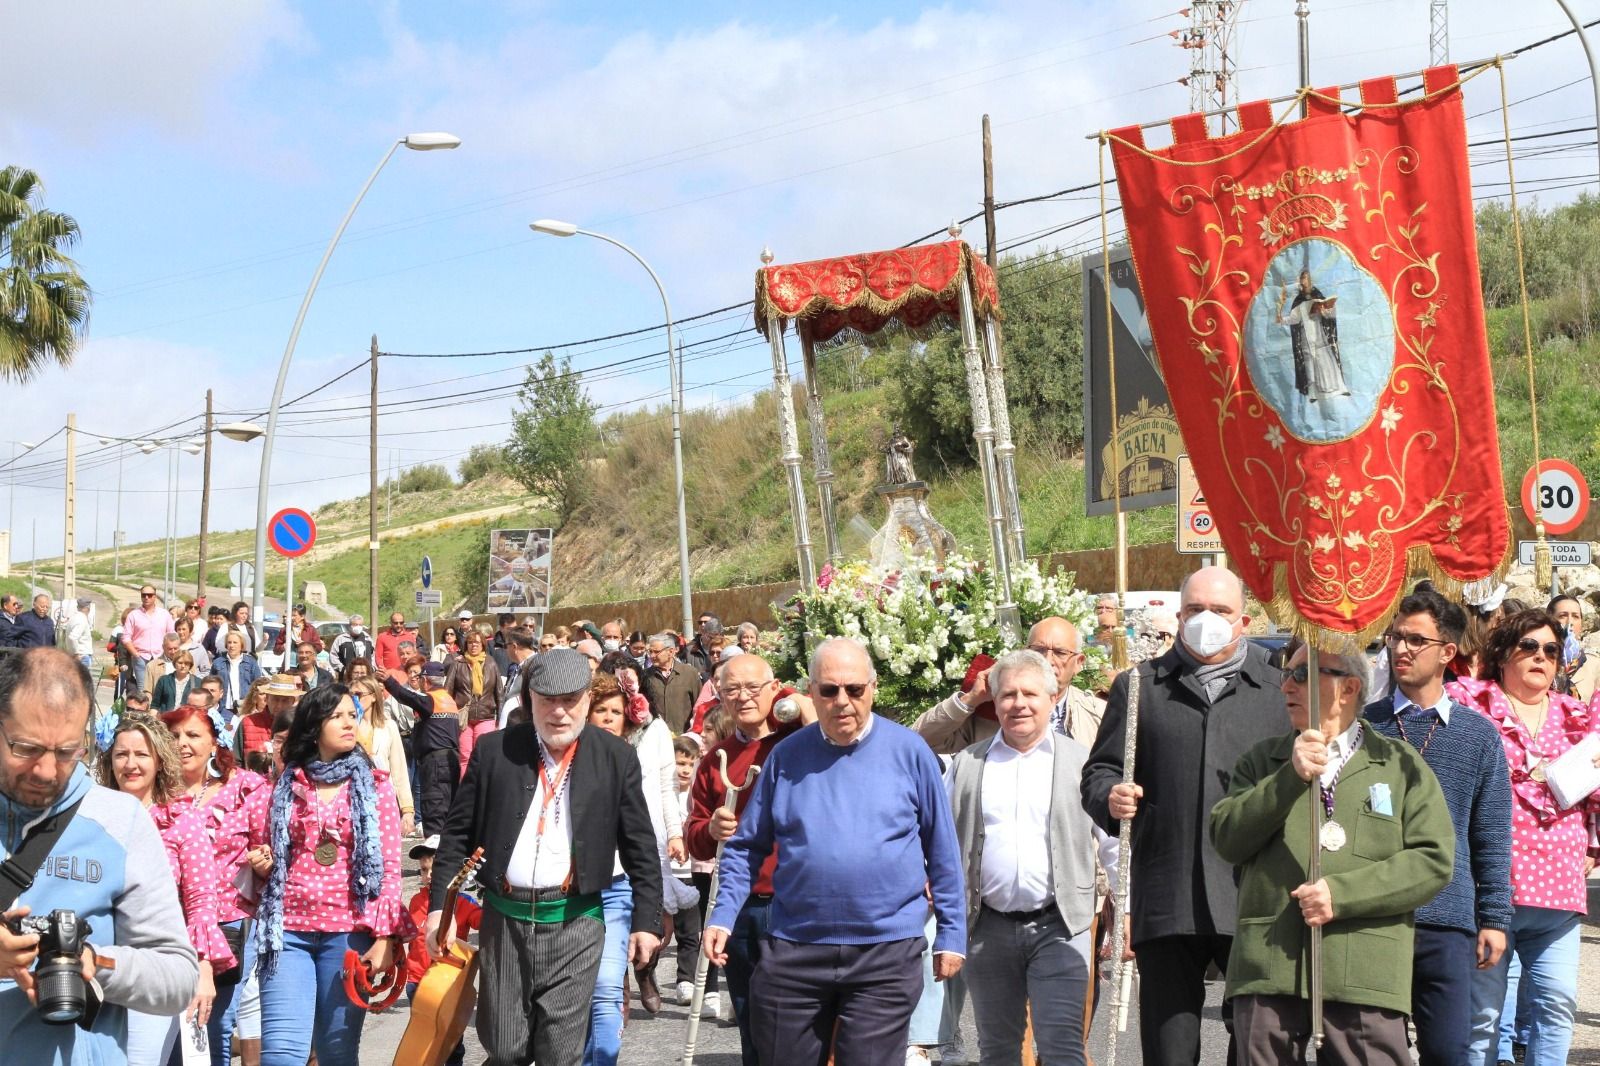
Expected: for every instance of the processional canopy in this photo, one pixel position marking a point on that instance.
(867, 292)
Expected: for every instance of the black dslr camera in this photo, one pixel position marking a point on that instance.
(58, 975)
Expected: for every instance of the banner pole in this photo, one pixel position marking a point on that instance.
(1314, 862)
(1302, 13)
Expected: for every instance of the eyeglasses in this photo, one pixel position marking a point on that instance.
(828, 690)
(1527, 646)
(1302, 673)
(1064, 654)
(142, 592)
(30, 752)
(1412, 641)
(746, 690)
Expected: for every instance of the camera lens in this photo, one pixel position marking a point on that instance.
(60, 989)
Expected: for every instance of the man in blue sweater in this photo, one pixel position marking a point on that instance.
(1465, 924)
(857, 809)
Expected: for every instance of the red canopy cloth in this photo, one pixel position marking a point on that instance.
(1313, 294)
(866, 292)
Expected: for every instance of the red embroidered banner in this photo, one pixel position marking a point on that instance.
(1313, 292)
(865, 292)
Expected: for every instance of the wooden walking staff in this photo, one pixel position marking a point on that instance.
(702, 965)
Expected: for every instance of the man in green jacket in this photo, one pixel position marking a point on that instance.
(1388, 847)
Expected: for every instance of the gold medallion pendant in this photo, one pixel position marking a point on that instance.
(327, 853)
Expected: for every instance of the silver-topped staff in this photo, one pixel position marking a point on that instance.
(1122, 972)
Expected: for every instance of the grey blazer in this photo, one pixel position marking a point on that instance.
(1070, 837)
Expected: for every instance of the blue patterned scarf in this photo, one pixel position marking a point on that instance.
(366, 853)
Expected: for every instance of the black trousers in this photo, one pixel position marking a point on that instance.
(1172, 991)
(1441, 993)
(801, 991)
(438, 773)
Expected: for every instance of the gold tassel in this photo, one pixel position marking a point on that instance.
(1543, 569)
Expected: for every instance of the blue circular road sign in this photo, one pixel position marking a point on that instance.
(427, 572)
(291, 532)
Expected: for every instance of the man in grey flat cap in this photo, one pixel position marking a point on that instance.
(552, 804)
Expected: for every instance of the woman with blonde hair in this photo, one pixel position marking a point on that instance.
(379, 733)
(143, 762)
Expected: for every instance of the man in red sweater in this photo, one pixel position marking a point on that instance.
(389, 641)
(748, 690)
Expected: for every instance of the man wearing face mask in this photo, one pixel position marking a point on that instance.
(611, 634)
(1202, 705)
(356, 644)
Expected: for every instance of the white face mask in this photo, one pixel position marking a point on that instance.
(356, 631)
(1207, 633)
(612, 645)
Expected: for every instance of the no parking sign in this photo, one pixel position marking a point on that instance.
(291, 532)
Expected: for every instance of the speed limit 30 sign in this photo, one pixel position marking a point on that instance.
(1555, 490)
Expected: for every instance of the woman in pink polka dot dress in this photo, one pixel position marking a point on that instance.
(222, 794)
(1552, 850)
(143, 762)
(327, 849)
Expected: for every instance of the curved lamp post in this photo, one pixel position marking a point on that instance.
(675, 367)
(417, 142)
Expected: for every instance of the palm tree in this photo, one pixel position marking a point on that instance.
(44, 302)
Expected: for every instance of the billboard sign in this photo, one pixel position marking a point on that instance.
(1146, 432)
(519, 571)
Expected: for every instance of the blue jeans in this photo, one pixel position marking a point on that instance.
(744, 949)
(606, 1009)
(1546, 945)
(925, 1020)
(225, 1008)
(308, 987)
(1514, 1016)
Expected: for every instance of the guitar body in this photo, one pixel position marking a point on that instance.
(441, 1009)
(447, 992)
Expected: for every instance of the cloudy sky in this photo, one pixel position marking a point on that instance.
(208, 151)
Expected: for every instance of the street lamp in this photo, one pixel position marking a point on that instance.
(417, 142)
(555, 228)
(244, 432)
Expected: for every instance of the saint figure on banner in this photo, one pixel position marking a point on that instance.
(1314, 332)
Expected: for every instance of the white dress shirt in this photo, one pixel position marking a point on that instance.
(544, 861)
(1340, 748)
(1015, 871)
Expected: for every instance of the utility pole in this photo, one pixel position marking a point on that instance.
(116, 532)
(1438, 32)
(205, 505)
(990, 253)
(69, 548)
(372, 495)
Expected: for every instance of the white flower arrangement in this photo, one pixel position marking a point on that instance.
(923, 624)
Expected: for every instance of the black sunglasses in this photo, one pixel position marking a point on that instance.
(828, 690)
(1552, 650)
(1302, 673)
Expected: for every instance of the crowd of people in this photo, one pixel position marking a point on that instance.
(871, 879)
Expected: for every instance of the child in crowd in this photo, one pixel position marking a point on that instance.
(715, 728)
(688, 921)
(469, 915)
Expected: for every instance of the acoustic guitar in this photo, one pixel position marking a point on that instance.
(447, 992)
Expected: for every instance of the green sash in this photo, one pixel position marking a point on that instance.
(548, 911)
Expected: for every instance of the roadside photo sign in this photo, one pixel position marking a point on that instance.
(292, 532)
(1562, 552)
(1561, 492)
(1197, 529)
(519, 571)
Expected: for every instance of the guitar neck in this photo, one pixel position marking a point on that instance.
(448, 908)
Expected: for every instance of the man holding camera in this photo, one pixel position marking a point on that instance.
(88, 933)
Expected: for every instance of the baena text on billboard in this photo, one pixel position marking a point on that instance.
(519, 571)
(1145, 437)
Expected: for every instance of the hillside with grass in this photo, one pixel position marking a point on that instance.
(617, 528)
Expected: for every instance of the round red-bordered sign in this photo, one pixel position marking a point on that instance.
(1200, 524)
(1563, 496)
(292, 532)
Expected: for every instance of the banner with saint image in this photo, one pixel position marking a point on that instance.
(1313, 295)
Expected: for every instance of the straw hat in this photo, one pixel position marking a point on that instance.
(282, 685)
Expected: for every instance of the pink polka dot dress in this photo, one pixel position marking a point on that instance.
(1548, 844)
(194, 868)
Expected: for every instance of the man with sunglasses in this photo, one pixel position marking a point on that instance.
(143, 631)
(858, 810)
(747, 690)
(100, 867)
(1463, 928)
(1387, 847)
(1202, 705)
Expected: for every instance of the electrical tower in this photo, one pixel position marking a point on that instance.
(1438, 32)
(1212, 58)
